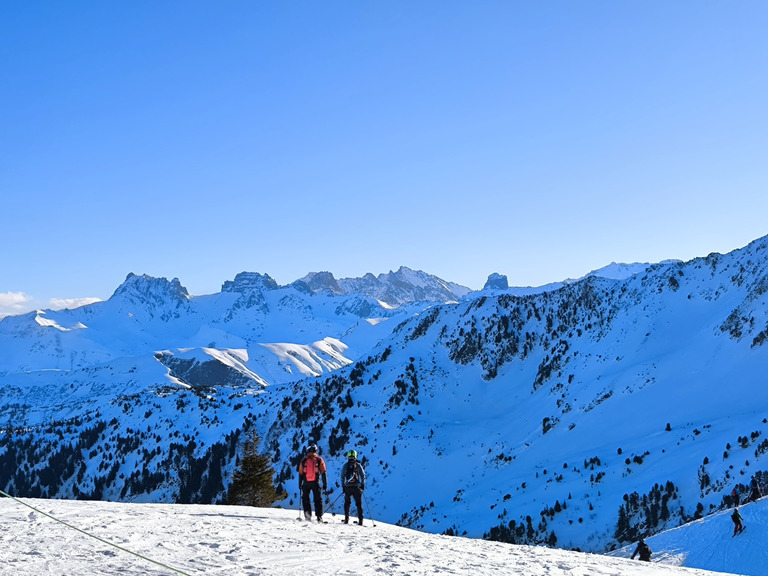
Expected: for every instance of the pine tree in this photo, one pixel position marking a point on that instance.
(252, 483)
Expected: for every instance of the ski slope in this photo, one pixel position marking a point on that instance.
(709, 543)
(240, 541)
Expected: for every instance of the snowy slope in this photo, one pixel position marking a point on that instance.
(561, 411)
(709, 543)
(579, 416)
(617, 271)
(198, 539)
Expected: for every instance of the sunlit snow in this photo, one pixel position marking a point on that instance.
(311, 360)
(49, 323)
(242, 541)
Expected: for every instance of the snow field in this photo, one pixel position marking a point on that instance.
(240, 541)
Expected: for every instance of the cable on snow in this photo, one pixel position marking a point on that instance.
(172, 569)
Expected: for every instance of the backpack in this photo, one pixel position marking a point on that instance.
(350, 474)
(310, 469)
(645, 550)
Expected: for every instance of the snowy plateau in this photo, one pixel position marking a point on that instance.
(578, 415)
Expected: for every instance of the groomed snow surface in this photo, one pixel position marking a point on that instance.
(232, 540)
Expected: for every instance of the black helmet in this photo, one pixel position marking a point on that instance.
(312, 448)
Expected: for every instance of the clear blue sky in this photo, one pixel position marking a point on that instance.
(540, 140)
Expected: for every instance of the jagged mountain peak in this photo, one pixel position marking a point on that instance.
(411, 276)
(394, 289)
(404, 286)
(322, 282)
(149, 288)
(249, 282)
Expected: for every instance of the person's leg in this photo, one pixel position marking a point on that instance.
(347, 503)
(359, 504)
(318, 500)
(306, 506)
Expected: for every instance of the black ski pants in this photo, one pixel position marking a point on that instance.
(313, 488)
(349, 493)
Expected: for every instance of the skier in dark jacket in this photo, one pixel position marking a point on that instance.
(644, 550)
(737, 525)
(756, 493)
(311, 472)
(353, 484)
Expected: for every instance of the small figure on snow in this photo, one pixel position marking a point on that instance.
(311, 472)
(738, 527)
(756, 492)
(353, 484)
(736, 495)
(643, 550)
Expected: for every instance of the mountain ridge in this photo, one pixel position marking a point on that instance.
(392, 288)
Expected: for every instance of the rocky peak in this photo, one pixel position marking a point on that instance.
(322, 281)
(404, 286)
(149, 289)
(249, 282)
(496, 282)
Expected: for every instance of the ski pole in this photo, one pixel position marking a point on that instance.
(301, 506)
(368, 507)
(330, 504)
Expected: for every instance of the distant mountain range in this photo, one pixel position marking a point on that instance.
(579, 415)
(394, 288)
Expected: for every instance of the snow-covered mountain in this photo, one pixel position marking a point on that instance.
(283, 327)
(161, 539)
(530, 418)
(578, 415)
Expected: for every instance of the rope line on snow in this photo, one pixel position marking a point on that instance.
(171, 568)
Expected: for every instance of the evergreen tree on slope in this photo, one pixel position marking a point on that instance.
(252, 484)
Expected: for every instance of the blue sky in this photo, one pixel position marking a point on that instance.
(540, 140)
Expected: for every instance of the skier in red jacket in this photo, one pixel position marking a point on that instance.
(311, 472)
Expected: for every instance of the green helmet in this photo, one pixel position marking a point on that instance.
(352, 454)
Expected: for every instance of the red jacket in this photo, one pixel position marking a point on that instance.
(316, 468)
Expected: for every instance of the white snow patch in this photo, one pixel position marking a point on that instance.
(48, 323)
(178, 382)
(311, 360)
